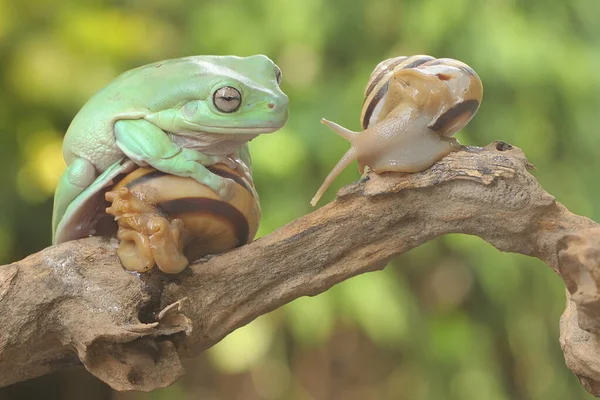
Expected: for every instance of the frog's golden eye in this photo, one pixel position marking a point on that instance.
(227, 99)
(278, 74)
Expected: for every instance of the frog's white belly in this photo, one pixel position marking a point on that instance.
(210, 143)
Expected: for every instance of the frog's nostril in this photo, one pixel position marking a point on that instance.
(271, 105)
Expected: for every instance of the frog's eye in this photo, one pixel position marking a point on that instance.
(278, 74)
(227, 99)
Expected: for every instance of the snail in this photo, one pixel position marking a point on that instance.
(412, 107)
(169, 220)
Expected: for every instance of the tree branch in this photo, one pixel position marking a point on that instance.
(74, 303)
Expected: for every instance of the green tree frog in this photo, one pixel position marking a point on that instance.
(177, 116)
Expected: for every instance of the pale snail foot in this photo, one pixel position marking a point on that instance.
(167, 240)
(454, 143)
(146, 237)
(134, 250)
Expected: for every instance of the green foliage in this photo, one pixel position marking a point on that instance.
(455, 319)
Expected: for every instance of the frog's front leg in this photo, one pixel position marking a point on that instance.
(145, 143)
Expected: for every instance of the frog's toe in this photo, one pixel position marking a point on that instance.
(81, 173)
(224, 187)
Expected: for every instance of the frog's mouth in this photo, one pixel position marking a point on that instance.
(211, 143)
(232, 130)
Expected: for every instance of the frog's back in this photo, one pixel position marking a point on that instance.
(91, 136)
(141, 91)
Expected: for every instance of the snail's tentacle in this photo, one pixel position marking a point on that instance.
(340, 166)
(340, 130)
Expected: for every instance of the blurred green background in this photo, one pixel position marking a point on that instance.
(454, 319)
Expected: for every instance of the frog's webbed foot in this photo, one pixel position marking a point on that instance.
(223, 187)
(167, 239)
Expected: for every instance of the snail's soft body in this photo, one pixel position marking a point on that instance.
(412, 107)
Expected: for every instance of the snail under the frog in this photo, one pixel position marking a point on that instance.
(169, 220)
(412, 107)
(179, 117)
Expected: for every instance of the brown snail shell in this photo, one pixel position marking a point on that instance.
(169, 220)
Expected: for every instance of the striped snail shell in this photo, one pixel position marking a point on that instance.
(412, 107)
(169, 220)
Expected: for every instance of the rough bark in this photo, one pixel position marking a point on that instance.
(74, 304)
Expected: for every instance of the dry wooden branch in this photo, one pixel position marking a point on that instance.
(74, 303)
